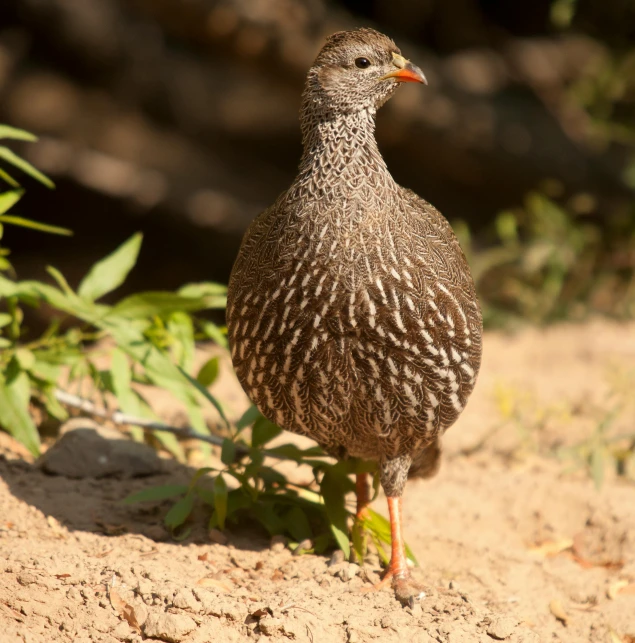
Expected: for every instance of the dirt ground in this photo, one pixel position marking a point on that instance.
(514, 544)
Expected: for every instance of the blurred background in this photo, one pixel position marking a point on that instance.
(179, 118)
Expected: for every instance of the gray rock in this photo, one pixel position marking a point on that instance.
(88, 450)
(337, 558)
(348, 571)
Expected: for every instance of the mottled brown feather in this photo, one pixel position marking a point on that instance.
(352, 314)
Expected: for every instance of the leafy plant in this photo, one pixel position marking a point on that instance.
(149, 338)
(313, 516)
(601, 445)
(551, 262)
(607, 448)
(154, 335)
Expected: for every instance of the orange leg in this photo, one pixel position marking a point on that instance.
(363, 500)
(398, 573)
(362, 491)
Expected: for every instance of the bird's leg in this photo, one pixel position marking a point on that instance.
(394, 474)
(398, 566)
(363, 500)
(398, 572)
(362, 491)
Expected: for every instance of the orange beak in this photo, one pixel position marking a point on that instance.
(406, 72)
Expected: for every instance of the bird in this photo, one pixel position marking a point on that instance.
(352, 315)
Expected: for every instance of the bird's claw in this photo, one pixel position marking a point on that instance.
(407, 591)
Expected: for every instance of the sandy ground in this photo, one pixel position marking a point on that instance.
(514, 543)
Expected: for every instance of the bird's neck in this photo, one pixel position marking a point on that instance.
(340, 156)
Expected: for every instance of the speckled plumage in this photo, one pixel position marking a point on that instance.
(352, 315)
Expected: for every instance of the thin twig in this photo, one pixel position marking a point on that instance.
(120, 418)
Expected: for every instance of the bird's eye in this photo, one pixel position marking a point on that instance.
(362, 63)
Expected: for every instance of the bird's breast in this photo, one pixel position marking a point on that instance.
(355, 326)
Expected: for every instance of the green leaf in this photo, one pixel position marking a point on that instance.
(179, 511)
(156, 493)
(53, 407)
(206, 495)
(228, 452)
(321, 542)
(208, 373)
(264, 431)
(298, 524)
(34, 225)
(248, 417)
(45, 370)
(130, 402)
(109, 273)
(5, 319)
(25, 358)
(25, 166)
(288, 451)
(220, 500)
(333, 489)
(214, 332)
(266, 515)
(208, 396)
(9, 199)
(159, 369)
(121, 382)
(61, 282)
(159, 304)
(270, 476)
(16, 134)
(182, 534)
(203, 289)
(15, 393)
(182, 330)
(8, 179)
(256, 458)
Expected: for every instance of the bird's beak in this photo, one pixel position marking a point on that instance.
(406, 72)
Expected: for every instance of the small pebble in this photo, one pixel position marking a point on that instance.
(348, 572)
(218, 537)
(27, 578)
(278, 543)
(337, 558)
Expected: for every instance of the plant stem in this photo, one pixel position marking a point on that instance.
(120, 418)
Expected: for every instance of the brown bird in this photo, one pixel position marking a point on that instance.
(351, 313)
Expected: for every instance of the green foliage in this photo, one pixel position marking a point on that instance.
(154, 336)
(247, 489)
(154, 345)
(154, 332)
(599, 438)
(551, 263)
(606, 449)
(11, 196)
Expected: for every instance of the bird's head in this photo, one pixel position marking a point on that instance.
(357, 70)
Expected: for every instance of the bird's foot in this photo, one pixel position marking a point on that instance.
(407, 590)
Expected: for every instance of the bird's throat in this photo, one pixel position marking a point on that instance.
(340, 156)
